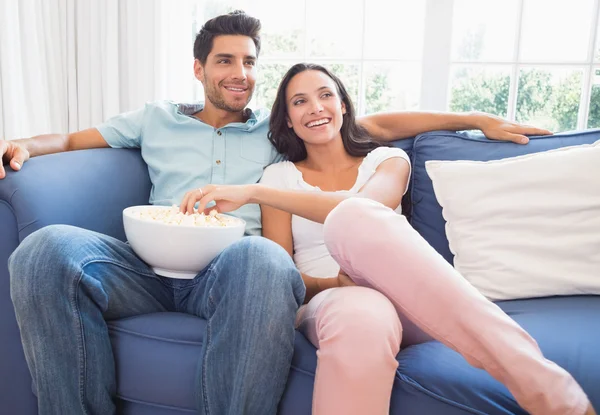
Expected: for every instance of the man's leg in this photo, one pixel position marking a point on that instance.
(249, 295)
(65, 283)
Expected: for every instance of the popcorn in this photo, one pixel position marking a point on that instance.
(172, 216)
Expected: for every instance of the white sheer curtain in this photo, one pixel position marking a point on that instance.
(66, 65)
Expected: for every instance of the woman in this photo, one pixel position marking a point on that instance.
(369, 275)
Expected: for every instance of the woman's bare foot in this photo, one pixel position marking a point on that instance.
(590, 411)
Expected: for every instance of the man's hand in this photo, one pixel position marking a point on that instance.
(14, 154)
(497, 128)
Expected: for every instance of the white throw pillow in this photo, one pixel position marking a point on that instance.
(527, 226)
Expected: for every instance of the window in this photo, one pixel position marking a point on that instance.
(528, 60)
(374, 46)
(532, 61)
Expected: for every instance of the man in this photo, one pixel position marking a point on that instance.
(67, 282)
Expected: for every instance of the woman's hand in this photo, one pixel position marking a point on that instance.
(343, 280)
(497, 128)
(226, 197)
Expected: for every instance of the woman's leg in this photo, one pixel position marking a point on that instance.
(358, 334)
(379, 249)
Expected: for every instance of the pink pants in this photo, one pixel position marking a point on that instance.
(404, 282)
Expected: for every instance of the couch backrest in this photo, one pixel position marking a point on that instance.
(405, 144)
(425, 213)
(87, 188)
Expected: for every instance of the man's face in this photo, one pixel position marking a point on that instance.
(229, 74)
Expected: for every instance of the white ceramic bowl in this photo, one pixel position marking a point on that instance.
(177, 251)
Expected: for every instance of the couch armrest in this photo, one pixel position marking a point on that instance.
(88, 188)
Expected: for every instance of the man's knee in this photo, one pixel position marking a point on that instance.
(251, 247)
(263, 256)
(264, 268)
(53, 240)
(37, 265)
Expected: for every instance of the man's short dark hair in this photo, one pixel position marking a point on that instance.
(234, 23)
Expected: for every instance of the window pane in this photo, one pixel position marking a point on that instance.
(207, 9)
(334, 28)
(280, 37)
(349, 75)
(394, 29)
(594, 115)
(392, 86)
(480, 89)
(283, 38)
(556, 32)
(549, 98)
(484, 30)
(269, 77)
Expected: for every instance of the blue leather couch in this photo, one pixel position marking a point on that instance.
(156, 354)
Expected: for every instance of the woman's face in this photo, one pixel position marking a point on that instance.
(314, 107)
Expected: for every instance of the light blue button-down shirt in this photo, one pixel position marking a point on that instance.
(183, 153)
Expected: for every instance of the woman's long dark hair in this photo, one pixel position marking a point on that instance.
(356, 140)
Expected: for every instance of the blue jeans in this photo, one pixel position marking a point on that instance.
(66, 282)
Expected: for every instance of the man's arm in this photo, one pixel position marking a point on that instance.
(17, 152)
(391, 126)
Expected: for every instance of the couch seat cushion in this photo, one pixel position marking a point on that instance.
(156, 358)
(432, 378)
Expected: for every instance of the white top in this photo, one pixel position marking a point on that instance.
(310, 253)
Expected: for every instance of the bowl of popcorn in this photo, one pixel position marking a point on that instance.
(178, 245)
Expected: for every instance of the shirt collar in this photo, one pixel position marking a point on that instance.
(191, 109)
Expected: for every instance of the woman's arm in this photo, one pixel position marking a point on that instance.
(389, 126)
(386, 185)
(277, 226)
(315, 285)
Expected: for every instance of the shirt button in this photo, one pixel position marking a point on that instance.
(218, 161)
(219, 132)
